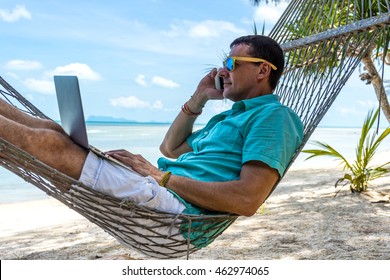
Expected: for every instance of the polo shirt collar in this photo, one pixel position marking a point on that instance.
(249, 104)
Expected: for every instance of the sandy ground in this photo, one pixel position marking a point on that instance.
(301, 220)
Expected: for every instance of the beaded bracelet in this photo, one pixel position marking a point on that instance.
(165, 178)
(186, 110)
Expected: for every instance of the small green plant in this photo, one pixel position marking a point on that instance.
(262, 210)
(359, 173)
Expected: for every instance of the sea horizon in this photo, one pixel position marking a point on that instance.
(132, 122)
(108, 120)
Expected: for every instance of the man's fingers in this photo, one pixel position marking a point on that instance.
(118, 152)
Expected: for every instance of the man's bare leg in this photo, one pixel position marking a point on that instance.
(12, 113)
(48, 145)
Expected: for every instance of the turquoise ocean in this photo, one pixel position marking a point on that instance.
(145, 139)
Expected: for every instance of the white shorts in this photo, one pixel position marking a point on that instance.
(117, 181)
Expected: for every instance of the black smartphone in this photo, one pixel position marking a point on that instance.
(218, 82)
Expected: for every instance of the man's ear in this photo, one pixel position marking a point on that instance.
(264, 71)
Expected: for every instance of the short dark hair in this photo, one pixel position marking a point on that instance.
(266, 48)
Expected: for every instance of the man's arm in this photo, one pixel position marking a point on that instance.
(174, 143)
(242, 197)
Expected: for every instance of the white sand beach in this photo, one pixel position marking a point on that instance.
(301, 220)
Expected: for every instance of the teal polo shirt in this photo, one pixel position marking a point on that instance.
(260, 129)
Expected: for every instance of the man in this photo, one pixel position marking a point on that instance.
(231, 165)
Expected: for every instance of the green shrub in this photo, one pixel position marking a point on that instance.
(359, 173)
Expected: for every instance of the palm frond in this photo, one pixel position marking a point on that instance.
(327, 150)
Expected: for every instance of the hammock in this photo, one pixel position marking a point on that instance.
(323, 40)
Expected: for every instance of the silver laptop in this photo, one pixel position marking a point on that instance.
(72, 114)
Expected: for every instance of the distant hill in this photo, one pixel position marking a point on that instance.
(107, 119)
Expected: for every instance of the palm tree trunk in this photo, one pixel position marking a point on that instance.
(375, 78)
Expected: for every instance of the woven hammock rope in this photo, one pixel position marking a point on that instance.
(309, 86)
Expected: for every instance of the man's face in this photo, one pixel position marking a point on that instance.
(241, 83)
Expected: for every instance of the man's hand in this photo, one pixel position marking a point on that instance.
(138, 163)
(206, 88)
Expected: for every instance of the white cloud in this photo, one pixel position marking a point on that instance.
(357, 109)
(23, 65)
(83, 71)
(42, 86)
(129, 102)
(367, 103)
(45, 85)
(140, 79)
(157, 80)
(13, 75)
(175, 31)
(345, 111)
(157, 105)
(212, 28)
(203, 29)
(135, 102)
(17, 13)
(269, 13)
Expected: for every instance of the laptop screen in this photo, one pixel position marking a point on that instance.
(71, 108)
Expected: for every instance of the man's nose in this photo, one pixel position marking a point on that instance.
(223, 72)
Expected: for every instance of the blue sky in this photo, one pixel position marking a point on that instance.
(138, 60)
